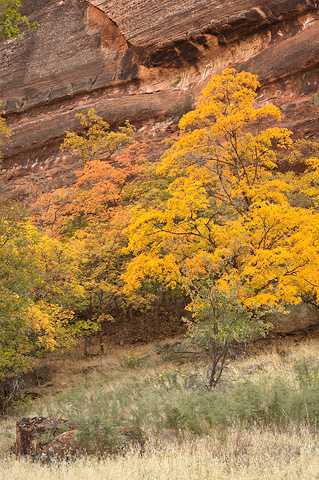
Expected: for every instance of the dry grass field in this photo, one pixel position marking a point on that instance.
(275, 449)
(240, 455)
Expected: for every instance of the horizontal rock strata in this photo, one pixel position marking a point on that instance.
(134, 59)
(150, 26)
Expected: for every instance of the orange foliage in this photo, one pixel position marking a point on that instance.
(91, 216)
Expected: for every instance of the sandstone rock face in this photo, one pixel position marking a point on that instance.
(155, 28)
(134, 58)
(75, 50)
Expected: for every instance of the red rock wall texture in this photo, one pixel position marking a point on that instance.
(135, 58)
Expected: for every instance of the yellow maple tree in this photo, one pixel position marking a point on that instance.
(230, 214)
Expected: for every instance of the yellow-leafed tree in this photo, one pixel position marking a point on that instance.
(231, 218)
(229, 203)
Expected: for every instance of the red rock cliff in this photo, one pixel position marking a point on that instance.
(134, 58)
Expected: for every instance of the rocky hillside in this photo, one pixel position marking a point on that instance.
(135, 58)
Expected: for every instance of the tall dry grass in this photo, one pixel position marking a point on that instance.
(239, 454)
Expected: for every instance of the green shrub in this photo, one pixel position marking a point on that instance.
(179, 400)
(180, 107)
(306, 374)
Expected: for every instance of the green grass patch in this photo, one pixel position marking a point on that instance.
(179, 401)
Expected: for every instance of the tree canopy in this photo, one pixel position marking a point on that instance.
(220, 222)
(230, 211)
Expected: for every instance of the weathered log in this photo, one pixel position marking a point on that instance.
(63, 446)
(48, 438)
(32, 434)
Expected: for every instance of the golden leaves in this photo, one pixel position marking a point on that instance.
(230, 216)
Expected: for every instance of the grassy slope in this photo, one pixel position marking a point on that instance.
(253, 450)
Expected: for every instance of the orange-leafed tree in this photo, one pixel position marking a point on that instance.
(92, 215)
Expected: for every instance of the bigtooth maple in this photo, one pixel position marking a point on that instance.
(228, 203)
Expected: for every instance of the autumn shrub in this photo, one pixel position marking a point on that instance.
(37, 294)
